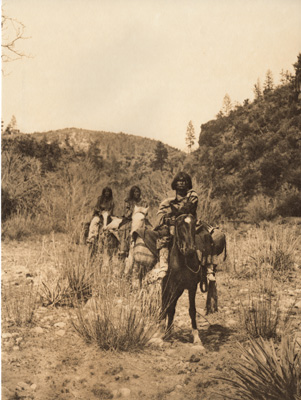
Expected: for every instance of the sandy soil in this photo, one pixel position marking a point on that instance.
(48, 360)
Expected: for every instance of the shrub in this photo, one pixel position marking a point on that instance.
(260, 208)
(262, 373)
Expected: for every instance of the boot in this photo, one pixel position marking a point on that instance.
(211, 273)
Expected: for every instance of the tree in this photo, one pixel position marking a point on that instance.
(190, 136)
(269, 82)
(297, 67)
(161, 155)
(257, 90)
(12, 34)
(227, 105)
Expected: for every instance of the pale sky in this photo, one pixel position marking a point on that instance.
(143, 67)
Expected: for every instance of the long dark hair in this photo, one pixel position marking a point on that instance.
(131, 192)
(181, 175)
(103, 197)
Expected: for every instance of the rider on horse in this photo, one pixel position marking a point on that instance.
(104, 203)
(134, 199)
(184, 202)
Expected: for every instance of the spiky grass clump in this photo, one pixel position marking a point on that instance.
(261, 316)
(19, 304)
(262, 373)
(116, 317)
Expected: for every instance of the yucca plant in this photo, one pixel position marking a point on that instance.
(261, 316)
(263, 373)
(55, 291)
(116, 317)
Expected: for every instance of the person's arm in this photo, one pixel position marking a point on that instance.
(163, 212)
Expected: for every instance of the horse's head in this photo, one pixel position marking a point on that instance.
(138, 217)
(185, 234)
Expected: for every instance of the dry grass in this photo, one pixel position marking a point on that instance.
(263, 373)
(267, 248)
(19, 304)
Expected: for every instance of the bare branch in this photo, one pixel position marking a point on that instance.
(12, 34)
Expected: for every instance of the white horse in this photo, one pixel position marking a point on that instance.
(138, 222)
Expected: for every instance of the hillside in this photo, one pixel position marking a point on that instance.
(254, 151)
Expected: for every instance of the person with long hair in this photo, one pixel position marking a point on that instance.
(133, 199)
(104, 203)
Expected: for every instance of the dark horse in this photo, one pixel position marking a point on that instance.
(184, 272)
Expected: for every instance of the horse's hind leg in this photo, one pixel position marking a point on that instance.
(192, 313)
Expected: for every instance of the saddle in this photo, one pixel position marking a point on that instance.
(150, 239)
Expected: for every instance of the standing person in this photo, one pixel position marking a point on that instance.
(133, 199)
(184, 202)
(104, 203)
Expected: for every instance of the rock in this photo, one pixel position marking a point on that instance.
(298, 304)
(19, 340)
(125, 392)
(22, 386)
(61, 332)
(156, 341)
(230, 323)
(38, 329)
(33, 387)
(6, 335)
(194, 359)
(16, 348)
(60, 325)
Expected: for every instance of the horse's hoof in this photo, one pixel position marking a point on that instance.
(196, 337)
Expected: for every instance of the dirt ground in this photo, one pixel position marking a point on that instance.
(48, 360)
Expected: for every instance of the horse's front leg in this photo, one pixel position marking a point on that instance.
(192, 313)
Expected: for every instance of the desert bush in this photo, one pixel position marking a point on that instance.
(21, 181)
(260, 208)
(289, 201)
(19, 303)
(263, 373)
(23, 225)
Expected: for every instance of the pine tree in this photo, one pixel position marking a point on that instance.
(190, 136)
(257, 90)
(161, 155)
(269, 82)
(227, 105)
